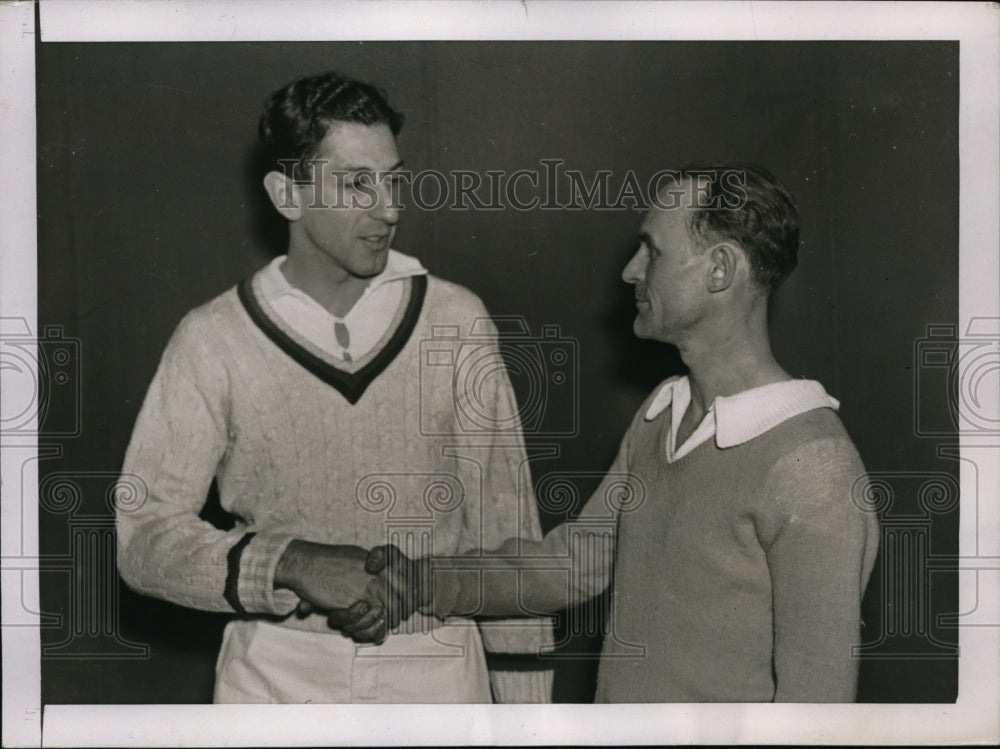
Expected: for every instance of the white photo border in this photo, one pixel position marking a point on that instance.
(974, 718)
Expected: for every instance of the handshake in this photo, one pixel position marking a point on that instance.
(364, 594)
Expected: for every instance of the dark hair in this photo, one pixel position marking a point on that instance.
(748, 205)
(297, 117)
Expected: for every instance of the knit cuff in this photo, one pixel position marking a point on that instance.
(252, 564)
(528, 636)
(530, 687)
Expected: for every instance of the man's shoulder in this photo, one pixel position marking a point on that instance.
(220, 309)
(657, 403)
(649, 421)
(812, 447)
(814, 425)
(211, 321)
(440, 291)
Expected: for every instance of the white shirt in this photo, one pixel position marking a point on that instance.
(366, 322)
(735, 419)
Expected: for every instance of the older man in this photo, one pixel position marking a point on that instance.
(302, 392)
(726, 527)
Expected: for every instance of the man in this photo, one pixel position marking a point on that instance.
(303, 394)
(726, 526)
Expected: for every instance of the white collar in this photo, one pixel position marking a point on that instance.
(744, 416)
(273, 282)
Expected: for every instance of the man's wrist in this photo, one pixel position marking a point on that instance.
(287, 573)
(454, 593)
(251, 564)
(304, 559)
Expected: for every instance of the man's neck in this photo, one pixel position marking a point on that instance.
(328, 284)
(730, 360)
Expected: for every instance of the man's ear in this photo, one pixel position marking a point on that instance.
(723, 262)
(283, 194)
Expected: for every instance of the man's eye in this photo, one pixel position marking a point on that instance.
(363, 179)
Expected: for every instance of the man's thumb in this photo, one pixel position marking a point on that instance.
(376, 560)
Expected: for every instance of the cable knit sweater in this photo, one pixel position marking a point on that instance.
(305, 447)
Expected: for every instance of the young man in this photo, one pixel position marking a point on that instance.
(730, 526)
(304, 395)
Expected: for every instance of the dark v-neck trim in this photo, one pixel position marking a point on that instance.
(351, 385)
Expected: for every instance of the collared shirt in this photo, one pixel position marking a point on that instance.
(588, 542)
(738, 418)
(355, 334)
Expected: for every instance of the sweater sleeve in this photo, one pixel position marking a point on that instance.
(180, 437)
(820, 558)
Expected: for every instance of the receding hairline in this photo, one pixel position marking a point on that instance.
(702, 238)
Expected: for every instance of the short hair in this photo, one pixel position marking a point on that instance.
(298, 117)
(747, 204)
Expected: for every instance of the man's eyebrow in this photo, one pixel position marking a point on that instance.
(648, 240)
(392, 168)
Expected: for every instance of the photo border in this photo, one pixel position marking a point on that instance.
(973, 718)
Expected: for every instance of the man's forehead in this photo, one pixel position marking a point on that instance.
(666, 217)
(675, 190)
(356, 145)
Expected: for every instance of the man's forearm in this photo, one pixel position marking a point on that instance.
(498, 587)
(523, 577)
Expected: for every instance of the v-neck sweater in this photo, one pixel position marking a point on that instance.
(739, 572)
(388, 457)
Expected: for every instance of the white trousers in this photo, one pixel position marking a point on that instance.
(264, 662)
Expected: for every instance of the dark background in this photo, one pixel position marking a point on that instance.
(149, 205)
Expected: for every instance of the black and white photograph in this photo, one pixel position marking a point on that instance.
(505, 372)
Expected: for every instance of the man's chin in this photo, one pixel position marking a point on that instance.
(374, 269)
(647, 332)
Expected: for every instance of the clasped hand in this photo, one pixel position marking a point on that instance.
(363, 594)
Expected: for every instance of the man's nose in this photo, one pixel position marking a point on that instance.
(387, 205)
(635, 269)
